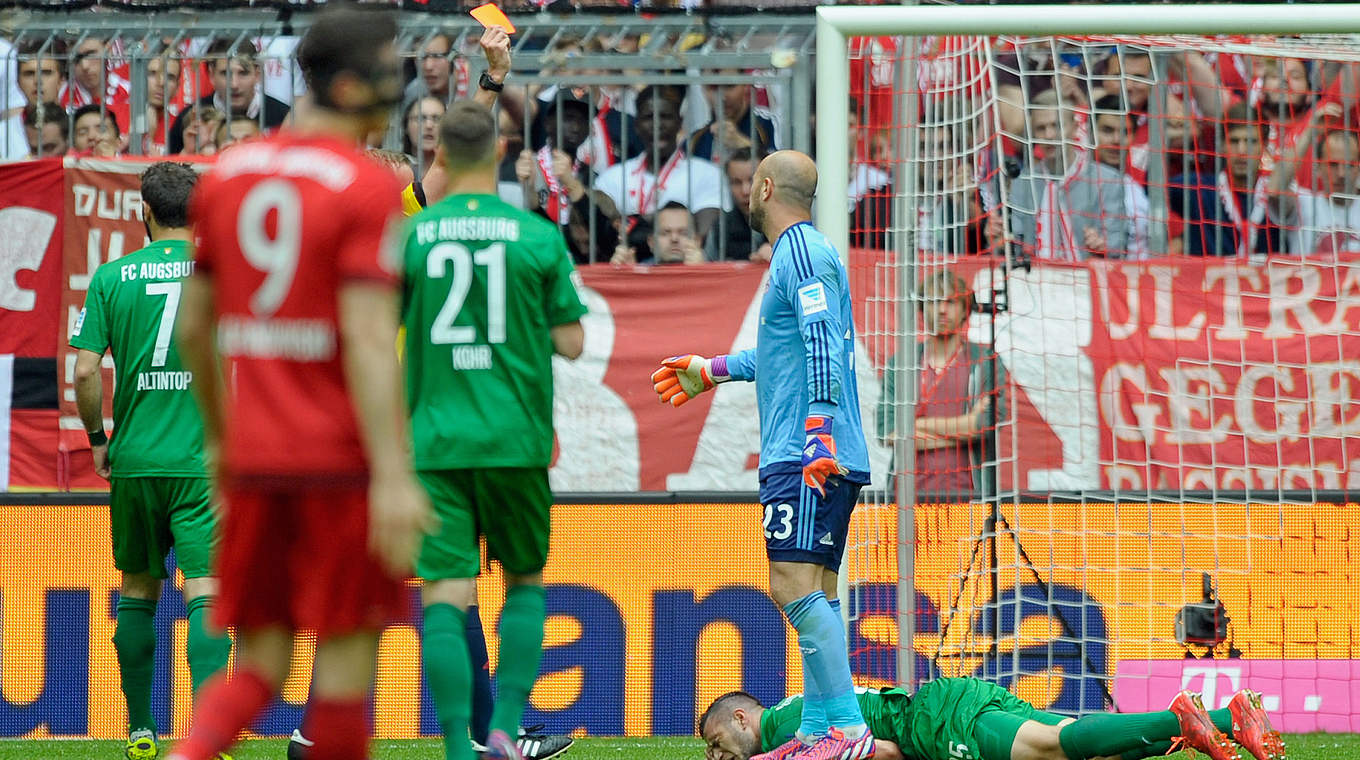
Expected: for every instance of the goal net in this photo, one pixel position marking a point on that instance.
(1111, 282)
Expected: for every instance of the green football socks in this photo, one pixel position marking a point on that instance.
(1222, 720)
(1131, 736)
(134, 639)
(448, 673)
(1106, 734)
(206, 651)
(521, 651)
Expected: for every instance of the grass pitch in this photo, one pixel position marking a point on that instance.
(1301, 747)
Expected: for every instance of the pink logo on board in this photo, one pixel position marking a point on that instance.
(1300, 695)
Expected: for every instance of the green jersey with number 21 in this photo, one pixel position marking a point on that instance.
(130, 310)
(484, 284)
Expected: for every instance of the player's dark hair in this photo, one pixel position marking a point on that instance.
(725, 705)
(468, 134)
(344, 38)
(47, 113)
(95, 108)
(166, 187)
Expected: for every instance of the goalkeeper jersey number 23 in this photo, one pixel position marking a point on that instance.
(485, 284)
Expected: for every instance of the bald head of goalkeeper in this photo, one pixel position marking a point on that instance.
(782, 190)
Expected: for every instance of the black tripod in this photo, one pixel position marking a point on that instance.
(989, 492)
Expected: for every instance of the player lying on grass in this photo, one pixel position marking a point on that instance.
(970, 719)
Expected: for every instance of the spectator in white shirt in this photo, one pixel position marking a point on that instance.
(632, 191)
(13, 140)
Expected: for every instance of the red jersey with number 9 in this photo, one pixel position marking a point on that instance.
(281, 225)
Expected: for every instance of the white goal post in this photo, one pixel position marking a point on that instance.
(836, 25)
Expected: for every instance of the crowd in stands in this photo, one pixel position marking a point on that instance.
(1110, 151)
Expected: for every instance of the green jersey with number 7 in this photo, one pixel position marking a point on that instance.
(484, 285)
(130, 310)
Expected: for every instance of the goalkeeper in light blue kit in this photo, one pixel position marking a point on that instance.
(813, 461)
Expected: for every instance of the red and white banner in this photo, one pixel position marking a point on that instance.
(30, 287)
(1171, 374)
(1168, 374)
(103, 221)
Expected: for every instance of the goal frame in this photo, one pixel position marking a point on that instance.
(836, 24)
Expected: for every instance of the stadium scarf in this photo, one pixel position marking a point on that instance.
(646, 199)
(598, 146)
(1246, 226)
(461, 78)
(558, 204)
(1055, 237)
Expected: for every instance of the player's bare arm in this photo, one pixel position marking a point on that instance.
(569, 340)
(90, 404)
(399, 510)
(198, 350)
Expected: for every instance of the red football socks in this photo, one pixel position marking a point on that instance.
(339, 729)
(223, 708)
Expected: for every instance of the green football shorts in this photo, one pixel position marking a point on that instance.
(968, 719)
(510, 506)
(148, 516)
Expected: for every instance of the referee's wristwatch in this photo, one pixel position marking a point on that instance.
(487, 83)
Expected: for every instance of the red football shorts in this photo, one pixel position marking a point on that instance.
(298, 557)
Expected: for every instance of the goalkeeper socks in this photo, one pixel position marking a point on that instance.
(814, 724)
(207, 652)
(1106, 734)
(448, 673)
(339, 729)
(482, 701)
(521, 651)
(821, 637)
(224, 707)
(134, 639)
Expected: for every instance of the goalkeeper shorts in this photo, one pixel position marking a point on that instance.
(800, 524)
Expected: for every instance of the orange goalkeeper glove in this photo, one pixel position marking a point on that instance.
(683, 377)
(819, 454)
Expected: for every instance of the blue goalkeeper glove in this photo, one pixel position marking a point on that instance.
(819, 455)
(683, 377)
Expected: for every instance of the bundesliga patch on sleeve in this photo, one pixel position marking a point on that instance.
(80, 322)
(812, 298)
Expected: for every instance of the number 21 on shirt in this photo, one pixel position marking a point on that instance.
(457, 256)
